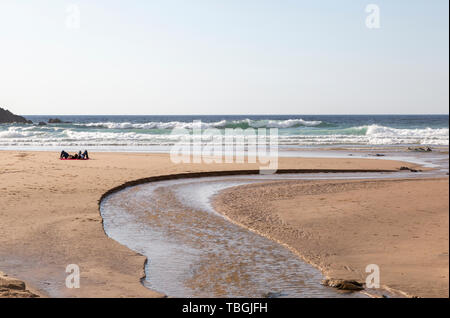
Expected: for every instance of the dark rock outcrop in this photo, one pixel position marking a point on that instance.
(273, 295)
(420, 149)
(6, 117)
(341, 284)
(57, 121)
(409, 169)
(14, 288)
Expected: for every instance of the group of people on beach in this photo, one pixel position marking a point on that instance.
(76, 156)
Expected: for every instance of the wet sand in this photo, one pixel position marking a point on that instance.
(195, 252)
(343, 226)
(50, 216)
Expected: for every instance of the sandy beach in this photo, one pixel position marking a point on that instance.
(50, 218)
(342, 226)
(231, 150)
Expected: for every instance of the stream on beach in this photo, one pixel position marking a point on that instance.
(193, 251)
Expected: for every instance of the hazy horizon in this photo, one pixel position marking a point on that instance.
(224, 57)
(243, 114)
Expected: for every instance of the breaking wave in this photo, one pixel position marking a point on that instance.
(245, 123)
(291, 132)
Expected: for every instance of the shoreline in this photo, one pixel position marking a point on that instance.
(47, 163)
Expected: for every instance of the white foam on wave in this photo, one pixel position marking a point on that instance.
(284, 123)
(363, 135)
(387, 135)
(12, 134)
(18, 132)
(151, 125)
(204, 125)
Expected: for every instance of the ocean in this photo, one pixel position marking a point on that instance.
(153, 133)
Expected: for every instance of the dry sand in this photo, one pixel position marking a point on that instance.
(343, 226)
(49, 216)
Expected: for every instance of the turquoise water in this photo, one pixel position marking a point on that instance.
(144, 133)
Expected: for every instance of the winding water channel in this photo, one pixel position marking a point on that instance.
(193, 251)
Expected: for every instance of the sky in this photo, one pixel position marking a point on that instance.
(156, 57)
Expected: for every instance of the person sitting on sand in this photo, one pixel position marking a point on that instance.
(83, 155)
(77, 156)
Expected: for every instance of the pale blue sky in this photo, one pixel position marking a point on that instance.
(224, 57)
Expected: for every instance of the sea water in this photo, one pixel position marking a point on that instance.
(153, 133)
